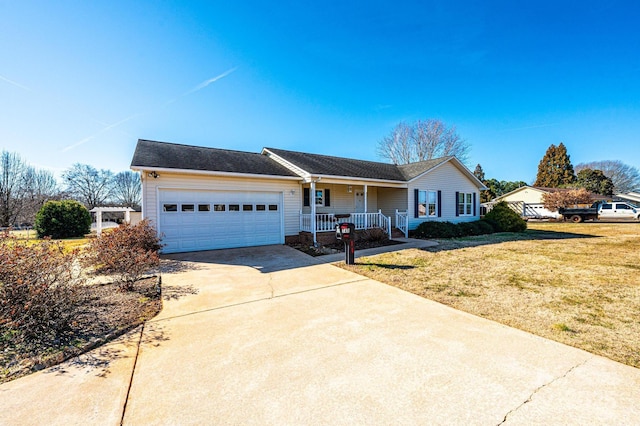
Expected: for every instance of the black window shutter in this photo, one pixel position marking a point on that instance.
(305, 197)
(327, 198)
(416, 194)
(457, 201)
(474, 204)
(439, 203)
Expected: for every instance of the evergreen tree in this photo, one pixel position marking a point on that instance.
(479, 173)
(595, 181)
(555, 168)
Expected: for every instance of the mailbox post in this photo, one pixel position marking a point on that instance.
(346, 232)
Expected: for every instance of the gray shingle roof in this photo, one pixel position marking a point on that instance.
(316, 164)
(186, 157)
(167, 155)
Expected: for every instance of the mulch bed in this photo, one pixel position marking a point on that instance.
(338, 247)
(107, 312)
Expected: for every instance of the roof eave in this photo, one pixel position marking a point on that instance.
(211, 173)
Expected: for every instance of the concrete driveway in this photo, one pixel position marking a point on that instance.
(272, 336)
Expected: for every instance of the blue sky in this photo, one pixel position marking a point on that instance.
(81, 81)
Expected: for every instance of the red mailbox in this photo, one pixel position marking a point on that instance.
(346, 232)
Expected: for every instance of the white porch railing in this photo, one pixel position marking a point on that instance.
(402, 222)
(326, 222)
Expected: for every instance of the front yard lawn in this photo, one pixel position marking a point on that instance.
(578, 284)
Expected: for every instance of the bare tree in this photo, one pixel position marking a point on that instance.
(397, 146)
(625, 178)
(427, 138)
(40, 186)
(88, 185)
(12, 170)
(422, 140)
(572, 197)
(127, 189)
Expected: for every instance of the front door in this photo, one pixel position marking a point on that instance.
(359, 201)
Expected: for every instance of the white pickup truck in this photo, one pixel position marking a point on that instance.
(616, 210)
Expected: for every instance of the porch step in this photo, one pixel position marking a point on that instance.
(396, 233)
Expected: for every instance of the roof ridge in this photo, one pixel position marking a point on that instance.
(199, 146)
(330, 156)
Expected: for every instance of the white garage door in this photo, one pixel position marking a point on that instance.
(194, 220)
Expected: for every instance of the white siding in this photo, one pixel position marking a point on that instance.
(292, 201)
(448, 179)
(525, 194)
(390, 199)
(343, 201)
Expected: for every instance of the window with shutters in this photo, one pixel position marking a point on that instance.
(465, 204)
(427, 203)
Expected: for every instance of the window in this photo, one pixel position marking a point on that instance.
(234, 207)
(188, 208)
(204, 207)
(219, 207)
(170, 207)
(247, 207)
(260, 207)
(427, 203)
(606, 207)
(273, 207)
(322, 197)
(465, 204)
(623, 207)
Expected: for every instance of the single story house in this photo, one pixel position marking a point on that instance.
(529, 203)
(202, 198)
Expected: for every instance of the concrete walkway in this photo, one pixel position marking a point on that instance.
(272, 336)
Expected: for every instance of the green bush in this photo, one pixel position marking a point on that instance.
(62, 219)
(469, 229)
(453, 230)
(437, 230)
(506, 219)
(485, 227)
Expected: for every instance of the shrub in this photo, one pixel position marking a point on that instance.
(437, 230)
(506, 219)
(62, 219)
(485, 227)
(376, 235)
(126, 252)
(39, 290)
(469, 229)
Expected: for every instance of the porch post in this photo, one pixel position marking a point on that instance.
(312, 204)
(127, 216)
(98, 222)
(366, 224)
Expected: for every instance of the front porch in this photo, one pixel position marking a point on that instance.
(326, 222)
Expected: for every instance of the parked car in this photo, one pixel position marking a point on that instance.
(602, 211)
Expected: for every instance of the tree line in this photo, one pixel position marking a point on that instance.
(24, 189)
(556, 171)
(426, 139)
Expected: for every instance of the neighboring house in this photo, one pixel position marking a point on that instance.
(633, 197)
(206, 198)
(529, 203)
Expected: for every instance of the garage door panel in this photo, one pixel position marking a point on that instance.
(202, 220)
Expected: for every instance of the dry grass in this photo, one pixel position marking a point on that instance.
(578, 284)
(69, 243)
